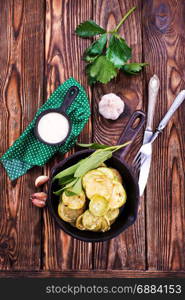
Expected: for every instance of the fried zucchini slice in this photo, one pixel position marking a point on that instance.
(103, 165)
(79, 223)
(91, 222)
(117, 175)
(91, 174)
(74, 202)
(105, 224)
(107, 171)
(98, 185)
(67, 214)
(118, 197)
(98, 206)
(112, 214)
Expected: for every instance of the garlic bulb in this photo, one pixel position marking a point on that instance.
(111, 106)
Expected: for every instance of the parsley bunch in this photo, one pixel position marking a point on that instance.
(108, 54)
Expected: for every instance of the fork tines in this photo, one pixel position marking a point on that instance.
(138, 161)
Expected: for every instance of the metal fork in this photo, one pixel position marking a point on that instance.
(146, 149)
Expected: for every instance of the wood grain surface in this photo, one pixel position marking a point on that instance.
(21, 92)
(38, 51)
(63, 52)
(164, 41)
(127, 251)
(93, 274)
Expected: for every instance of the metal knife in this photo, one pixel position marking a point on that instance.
(147, 147)
(153, 89)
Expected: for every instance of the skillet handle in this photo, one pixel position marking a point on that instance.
(130, 132)
(69, 97)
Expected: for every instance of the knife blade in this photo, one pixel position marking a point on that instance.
(153, 89)
(145, 168)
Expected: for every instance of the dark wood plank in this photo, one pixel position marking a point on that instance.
(127, 251)
(92, 274)
(63, 60)
(164, 44)
(21, 79)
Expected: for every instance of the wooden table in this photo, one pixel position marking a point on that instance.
(38, 51)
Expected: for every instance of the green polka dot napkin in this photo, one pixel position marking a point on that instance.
(27, 151)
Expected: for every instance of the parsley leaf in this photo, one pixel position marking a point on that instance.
(89, 28)
(102, 70)
(133, 68)
(91, 80)
(106, 56)
(95, 49)
(118, 51)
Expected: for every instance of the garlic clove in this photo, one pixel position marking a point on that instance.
(38, 203)
(40, 196)
(41, 180)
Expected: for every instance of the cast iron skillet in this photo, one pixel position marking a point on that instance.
(128, 212)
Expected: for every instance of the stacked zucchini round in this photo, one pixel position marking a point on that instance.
(97, 207)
